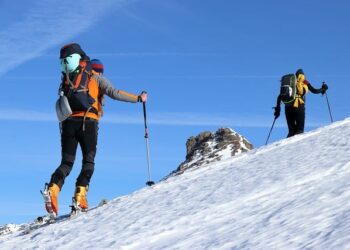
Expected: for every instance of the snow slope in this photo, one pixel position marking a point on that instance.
(293, 194)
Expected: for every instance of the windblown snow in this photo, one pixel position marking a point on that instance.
(292, 194)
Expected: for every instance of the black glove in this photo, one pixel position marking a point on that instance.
(142, 97)
(277, 111)
(324, 88)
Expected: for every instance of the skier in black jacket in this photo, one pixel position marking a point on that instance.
(295, 111)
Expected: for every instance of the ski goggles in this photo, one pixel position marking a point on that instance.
(70, 63)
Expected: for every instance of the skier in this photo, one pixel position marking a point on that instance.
(81, 127)
(295, 111)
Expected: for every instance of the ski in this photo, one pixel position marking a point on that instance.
(46, 220)
(50, 218)
(42, 221)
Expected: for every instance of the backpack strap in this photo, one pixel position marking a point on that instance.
(87, 111)
(83, 77)
(80, 79)
(83, 80)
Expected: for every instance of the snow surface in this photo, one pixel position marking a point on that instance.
(293, 194)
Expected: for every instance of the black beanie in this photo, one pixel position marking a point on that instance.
(299, 71)
(72, 48)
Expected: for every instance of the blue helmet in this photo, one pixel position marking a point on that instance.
(70, 63)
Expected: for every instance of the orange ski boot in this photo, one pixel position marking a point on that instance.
(80, 197)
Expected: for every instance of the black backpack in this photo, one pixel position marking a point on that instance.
(288, 89)
(77, 91)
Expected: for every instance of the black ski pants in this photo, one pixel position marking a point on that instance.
(72, 134)
(295, 119)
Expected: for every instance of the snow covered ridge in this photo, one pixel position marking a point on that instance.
(10, 228)
(208, 147)
(292, 194)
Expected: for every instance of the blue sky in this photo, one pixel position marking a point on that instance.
(205, 64)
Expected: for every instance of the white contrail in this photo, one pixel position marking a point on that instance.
(46, 24)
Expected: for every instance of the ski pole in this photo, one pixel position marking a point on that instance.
(273, 124)
(149, 182)
(329, 107)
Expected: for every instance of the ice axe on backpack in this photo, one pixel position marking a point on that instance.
(149, 182)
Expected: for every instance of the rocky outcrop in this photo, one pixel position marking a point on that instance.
(209, 147)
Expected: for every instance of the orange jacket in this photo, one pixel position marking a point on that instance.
(98, 87)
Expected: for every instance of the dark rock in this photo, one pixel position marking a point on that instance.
(208, 147)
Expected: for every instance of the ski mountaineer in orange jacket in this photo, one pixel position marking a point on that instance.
(295, 111)
(81, 127)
